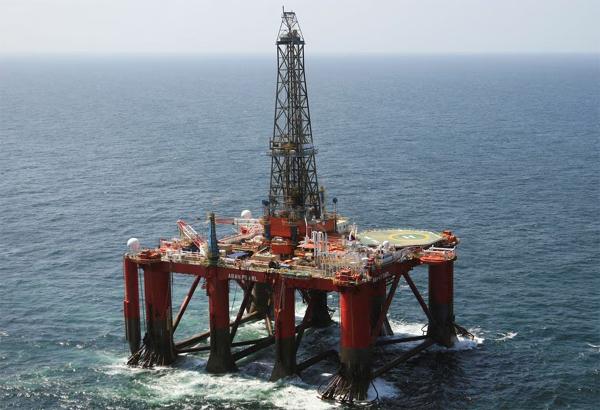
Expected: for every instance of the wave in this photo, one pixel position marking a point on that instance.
(188, 382)
(164, 385)
(466, 343)
(419, 329)
(506, 336)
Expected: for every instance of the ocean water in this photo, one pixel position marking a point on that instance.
(504, 150)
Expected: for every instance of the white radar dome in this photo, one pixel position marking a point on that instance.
(133, 244)
(386, 244)
(246, 214)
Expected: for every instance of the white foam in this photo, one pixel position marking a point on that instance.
(506, 336)
(594, 346)
(167, 384)
(293, 394)
(163, 385)
(417, 329)
(466, 343)
(385, 389)
(400, 327)
(122, 368)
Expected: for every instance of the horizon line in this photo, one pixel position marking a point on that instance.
(262, 54)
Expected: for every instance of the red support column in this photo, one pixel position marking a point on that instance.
(131, 305)
(220, 360)
(159, 319)
(158, 347)
(351, 383)
(285, 331)
(441, 303)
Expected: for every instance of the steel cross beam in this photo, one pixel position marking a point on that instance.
(412, 352)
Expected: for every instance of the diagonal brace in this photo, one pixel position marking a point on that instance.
(305, 320)
(186, 302)
(417, 295)
(238, 318)
(384, 310)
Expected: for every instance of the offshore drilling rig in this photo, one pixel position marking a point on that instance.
(296, 246)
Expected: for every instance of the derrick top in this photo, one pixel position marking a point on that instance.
(289, 31)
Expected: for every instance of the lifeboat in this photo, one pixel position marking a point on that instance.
(433, 256)
(342, 277)
(148, 254)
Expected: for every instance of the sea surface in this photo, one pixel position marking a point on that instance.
(504, 150)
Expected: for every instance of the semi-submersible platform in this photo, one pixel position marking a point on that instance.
(296, 246)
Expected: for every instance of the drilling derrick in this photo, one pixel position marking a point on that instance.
(294, 187)
(294, 196)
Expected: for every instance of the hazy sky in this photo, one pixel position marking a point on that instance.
(329, 26)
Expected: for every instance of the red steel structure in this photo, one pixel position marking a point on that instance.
(295, 248)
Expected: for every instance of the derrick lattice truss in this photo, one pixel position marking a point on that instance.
(294, 189)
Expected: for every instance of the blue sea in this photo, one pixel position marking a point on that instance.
(504, 150)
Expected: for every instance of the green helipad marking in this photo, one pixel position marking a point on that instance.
(398, 237)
